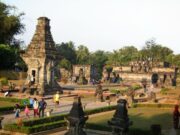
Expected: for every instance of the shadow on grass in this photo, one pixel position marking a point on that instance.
(142, 119)
(165, 120)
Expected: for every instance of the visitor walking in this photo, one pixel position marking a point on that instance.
(27, 111)
(35, 107)
(42, 107)
(17, 110)
(57, 98)
(31, 102)
(176, 115)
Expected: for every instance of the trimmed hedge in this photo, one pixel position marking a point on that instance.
(136, 87)
(154, 105)
(4, 81)
(40, 121)
(36, 128)
(14, 100)
(42, 124)
(62, 116)
(9, 99)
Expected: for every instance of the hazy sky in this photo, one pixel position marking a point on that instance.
(105, 24)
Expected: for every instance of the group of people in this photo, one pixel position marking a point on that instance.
(38, 108)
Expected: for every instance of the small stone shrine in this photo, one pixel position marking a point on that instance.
(88, 72)
(76, 118)
(120, 122)
(81, 78)
(41, 58)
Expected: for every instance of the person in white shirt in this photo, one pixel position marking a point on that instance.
(35, 107)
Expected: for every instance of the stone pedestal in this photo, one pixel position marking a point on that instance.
(76, 119)
(120, 122)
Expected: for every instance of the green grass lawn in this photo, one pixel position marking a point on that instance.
(142, 118)
(6, 103)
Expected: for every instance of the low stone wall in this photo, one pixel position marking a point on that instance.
(12, 75)
(162, 70)
(136, 76)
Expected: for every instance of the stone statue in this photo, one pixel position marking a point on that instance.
(76, 119)
(99, 93)
(81, 79)
(120, 122)
(154, 79)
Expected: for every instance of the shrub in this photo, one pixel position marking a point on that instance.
(40, 121)
(121, 90)
(136, 86)
(14, 100)
(164, 90)
(4, 81)
(102, 109)
(35, 128)
(153, 105)
(115, 91)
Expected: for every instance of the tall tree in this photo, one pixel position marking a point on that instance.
(154, 52)
(83, 55)
(123, 56)
(7, 57)
(10, 24)
(99, 59)
(67, 51)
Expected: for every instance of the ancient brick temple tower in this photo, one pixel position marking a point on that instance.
(41, 56)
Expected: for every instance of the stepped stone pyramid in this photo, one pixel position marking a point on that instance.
(41, 58)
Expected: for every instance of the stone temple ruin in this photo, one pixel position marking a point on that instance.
(89, 72)
(41, 58)
(126, 73)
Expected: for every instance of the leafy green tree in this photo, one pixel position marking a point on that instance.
(170, 58)
(165, 51)
(83, 55)
(64, 63)
(128, 53)
(67, 51)
(123, 56)
(99, 59)
(7, 57)
(154, 52)
(114, 58)
(10, 24)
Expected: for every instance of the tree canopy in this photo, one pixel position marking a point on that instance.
(83, 55)
(67, 51)
(10, 24)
